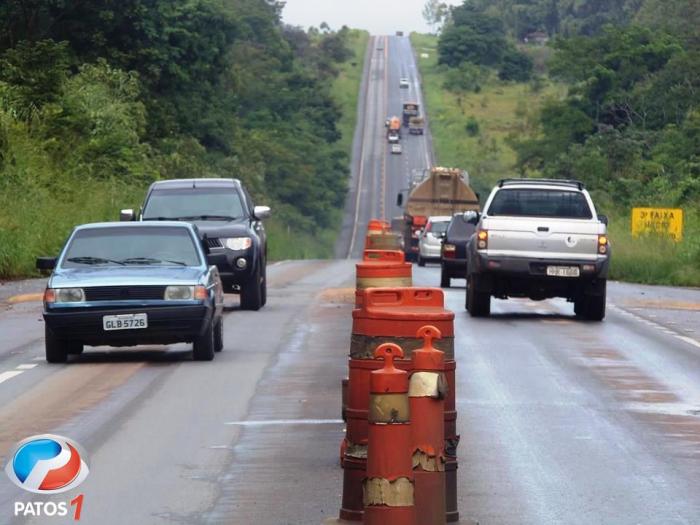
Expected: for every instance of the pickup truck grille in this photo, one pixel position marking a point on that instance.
(124, 293)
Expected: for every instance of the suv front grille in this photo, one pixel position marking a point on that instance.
(124, 293)
(213, 242)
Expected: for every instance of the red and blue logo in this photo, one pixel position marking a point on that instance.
(47, 464)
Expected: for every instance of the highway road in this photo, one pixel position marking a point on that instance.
(561, 421)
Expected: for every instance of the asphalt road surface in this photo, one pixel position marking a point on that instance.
(562, 421)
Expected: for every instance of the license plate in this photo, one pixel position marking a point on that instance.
(125, 322)
(563, 271)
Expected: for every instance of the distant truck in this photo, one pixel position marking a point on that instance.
(410, 109)
(393, 132)
(416, 125)
(438, 191)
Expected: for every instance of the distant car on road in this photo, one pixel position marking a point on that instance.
(453, 254)
(539, 238)
(403, 83)
(126, 284)
(396, 149)
(430, 239)
(230, 223)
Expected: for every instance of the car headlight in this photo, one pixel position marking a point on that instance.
(238, 243)
(186, 293)
(179, 293)
(64, 295)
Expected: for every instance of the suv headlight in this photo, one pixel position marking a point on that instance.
(238, 243)
(64, 295)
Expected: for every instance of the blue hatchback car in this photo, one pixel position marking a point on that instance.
(126, 284)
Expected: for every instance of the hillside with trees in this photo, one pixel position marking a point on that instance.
(98, 99)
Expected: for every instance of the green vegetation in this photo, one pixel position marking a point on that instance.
(619, 108)
(472, 127)
(99, 99)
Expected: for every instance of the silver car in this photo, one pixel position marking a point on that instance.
(430, 239)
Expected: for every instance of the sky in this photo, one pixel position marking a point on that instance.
(379, 17)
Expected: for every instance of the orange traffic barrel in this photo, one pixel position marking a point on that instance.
(386, 240)
(382, 268)
(386, 315)
(388, 490)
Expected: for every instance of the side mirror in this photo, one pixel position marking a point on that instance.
(399, 199)
(471, 216)
(45, 264)
(603, 219)
(262, 212)
(126, 215)
(442, 235)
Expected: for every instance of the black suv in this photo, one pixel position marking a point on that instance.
(229, 223)
(453, 255)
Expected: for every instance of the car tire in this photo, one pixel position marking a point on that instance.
(263, 286)
(57, 350)
(421, 261)
(203, 346)
(478, 303)
(251, 292)
(595, 303)
(444, 277)
(219, 335)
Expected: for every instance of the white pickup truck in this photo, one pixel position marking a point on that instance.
(538, 238)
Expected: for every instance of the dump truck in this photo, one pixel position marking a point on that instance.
(435, 191)
(416, 125)
(410, 109)
(393, 132)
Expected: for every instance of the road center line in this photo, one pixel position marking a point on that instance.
(26, 367)
(4, 376)
(272, 422)
(688, 340)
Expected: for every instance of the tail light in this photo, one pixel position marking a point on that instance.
(602, 244)
(449, 251)
(482, 239)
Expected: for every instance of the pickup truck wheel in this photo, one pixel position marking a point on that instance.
(203, 347)
(56, 350)
(595, 305)
(251, 292)
(478, 303)
(444, 277)
(421, 261)
(219, 335)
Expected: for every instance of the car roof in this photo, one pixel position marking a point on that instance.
(195, 183)
(139, 224)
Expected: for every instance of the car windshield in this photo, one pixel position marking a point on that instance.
(529, 202)
(194, 204)
(127, 246)
(438, 227)
(460, 229)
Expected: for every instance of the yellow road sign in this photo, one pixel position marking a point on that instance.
(662, 221)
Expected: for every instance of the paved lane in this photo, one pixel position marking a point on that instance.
(564, 421)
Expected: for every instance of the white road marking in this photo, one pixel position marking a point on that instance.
(4, 376)
(272, 422)
(26, 367)
(688, 340)
(39, 359)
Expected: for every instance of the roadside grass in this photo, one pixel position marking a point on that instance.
(507, 110)
(500, 110)
(294, 244)
(652, 259)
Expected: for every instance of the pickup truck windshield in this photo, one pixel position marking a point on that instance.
(193, 203)
(530, 202)
(129, 246)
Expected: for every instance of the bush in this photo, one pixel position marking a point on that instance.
(472, 127)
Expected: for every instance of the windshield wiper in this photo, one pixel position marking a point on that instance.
(93, 260)
(210, 218)
(150, 260)
(163, 218)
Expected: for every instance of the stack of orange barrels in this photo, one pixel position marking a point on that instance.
(389, 310)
